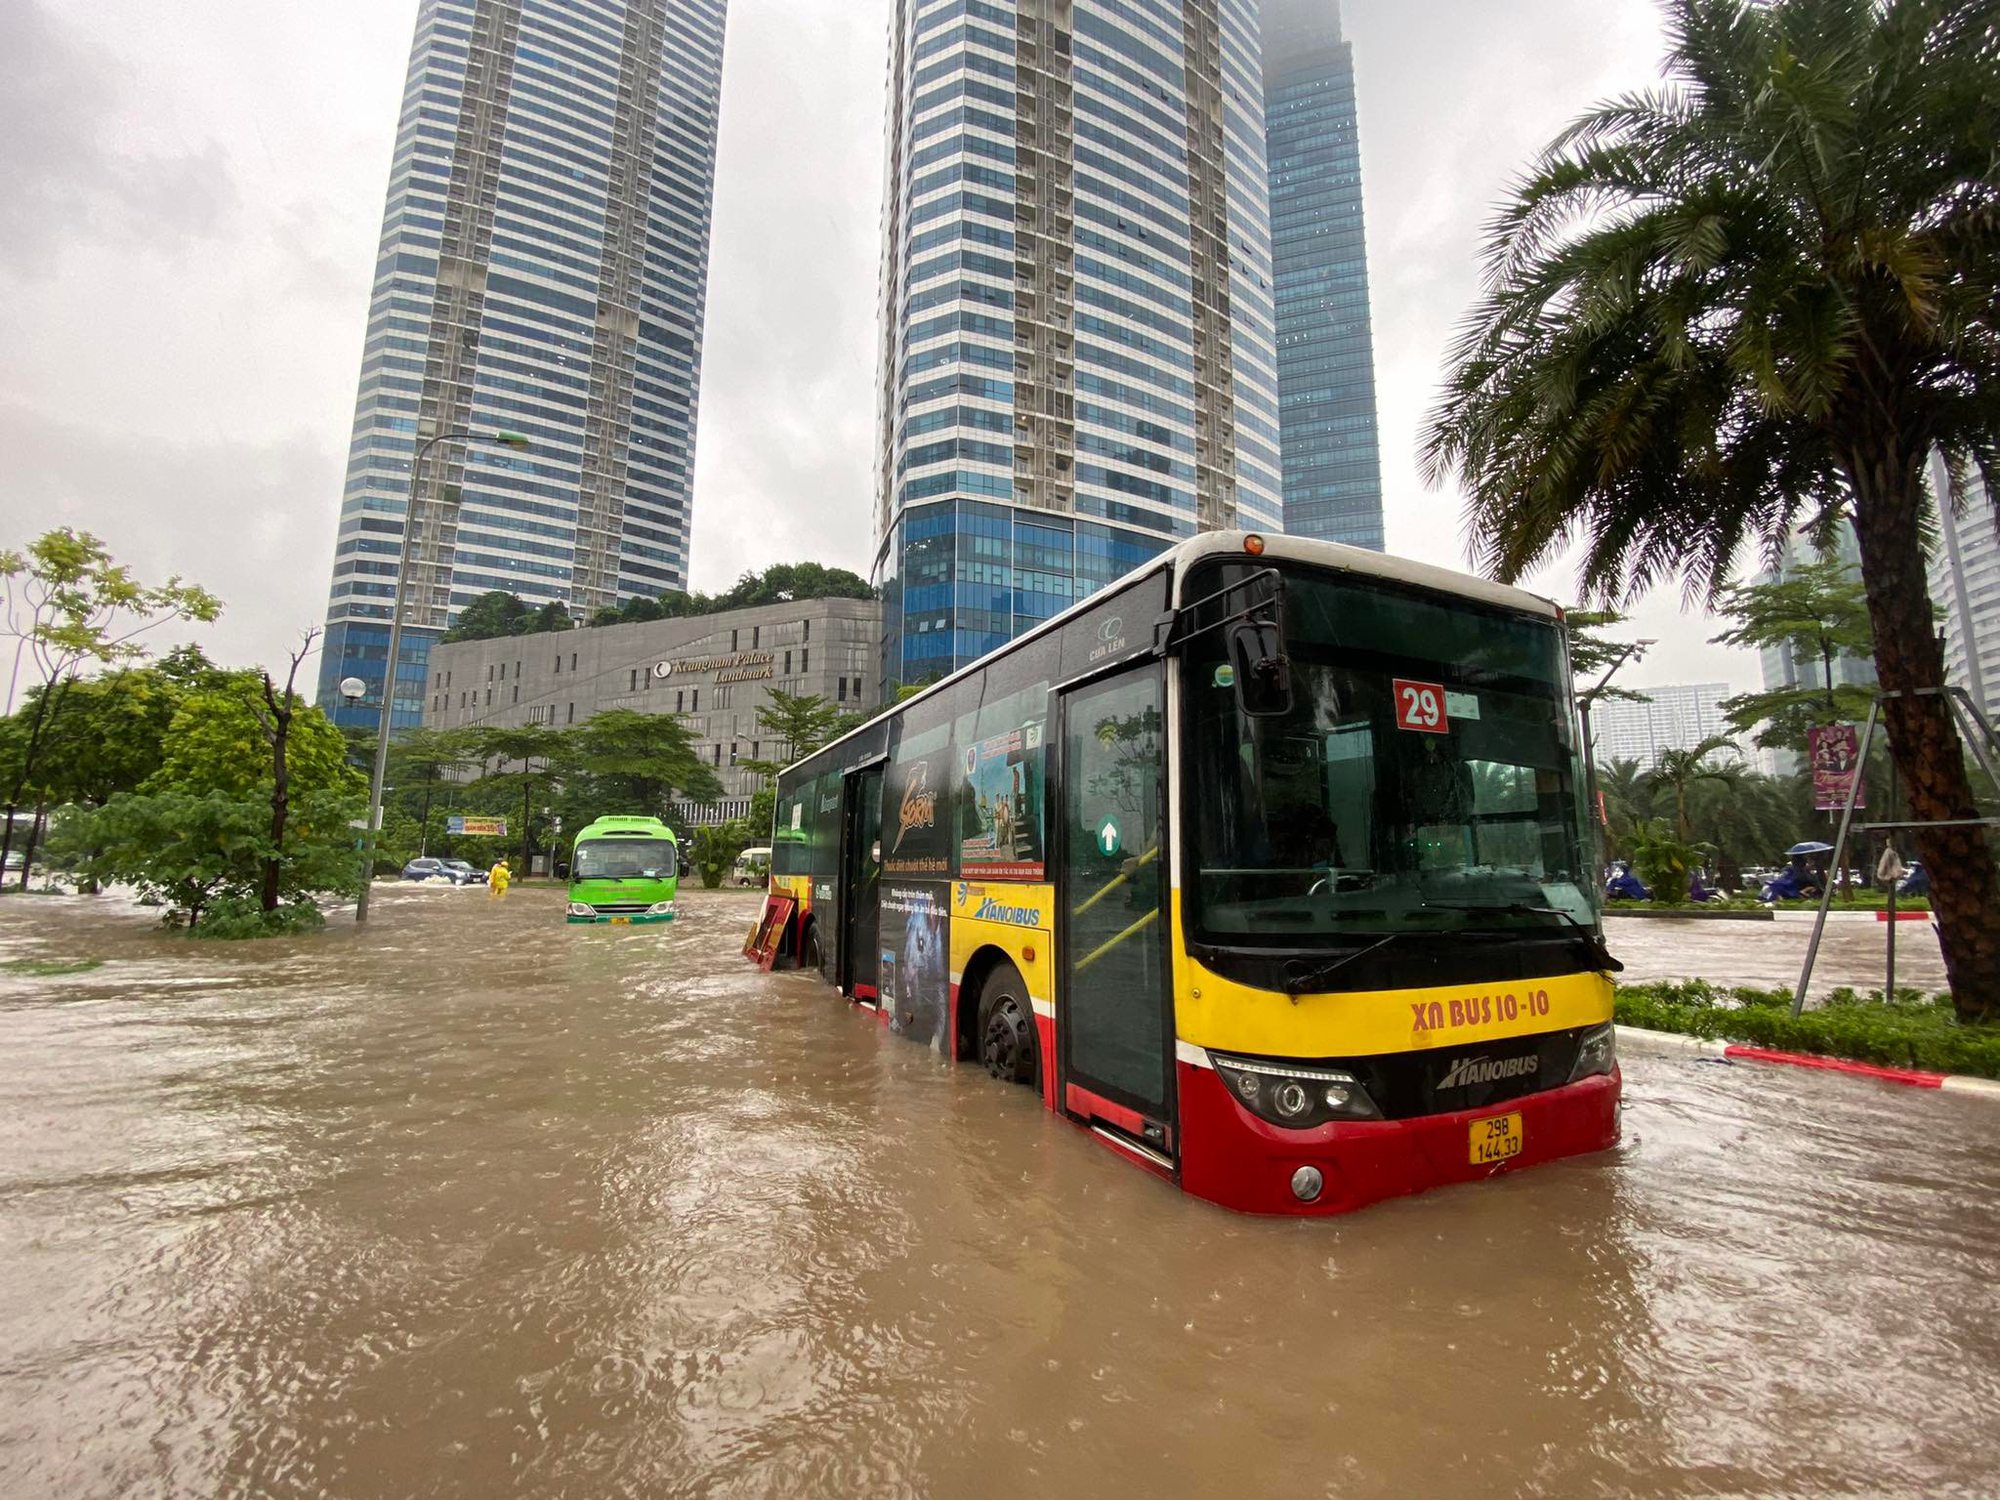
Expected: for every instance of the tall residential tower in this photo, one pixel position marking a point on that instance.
(1965, 582)
(1326, 359)
(1077, 366)
(543, 267)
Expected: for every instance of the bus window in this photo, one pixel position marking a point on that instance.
(1001, 769)
(1346, 817)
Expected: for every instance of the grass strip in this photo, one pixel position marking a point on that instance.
(50, 968)
(1915, 1031)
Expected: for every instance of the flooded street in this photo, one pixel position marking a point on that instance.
(476, 1204)
(1770, 954)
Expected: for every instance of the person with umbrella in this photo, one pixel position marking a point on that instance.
(1797, 882)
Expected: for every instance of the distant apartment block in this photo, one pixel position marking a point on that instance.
(1319, 256)
(543, 268)
(1679, 717)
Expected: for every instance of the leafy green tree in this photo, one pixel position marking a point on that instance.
(1628, 801)
(781, 583)
(635, 762)
(498, 613)
(1592, 653)
(1748, 821)
(1765, 293)
(187, 850)
(71, 609)
(491, 614)
(762, 818)
(420, 763)
(550, 618)
(714, 849)
(507, 756)
(110, 736)
(217, 742)
(1819, 613)
(799, 723)
(1665, 864)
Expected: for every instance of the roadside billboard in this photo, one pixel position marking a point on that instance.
(1835, 752)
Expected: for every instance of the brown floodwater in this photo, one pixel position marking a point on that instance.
(476, 1204)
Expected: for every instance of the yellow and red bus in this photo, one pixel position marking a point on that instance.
(1268, 864)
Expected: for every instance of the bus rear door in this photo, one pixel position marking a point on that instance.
(860, 972)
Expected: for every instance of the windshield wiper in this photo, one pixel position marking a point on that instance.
(1593, 944)
(1298, 979)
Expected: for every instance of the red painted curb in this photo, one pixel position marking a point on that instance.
(1910, 1076)
(1904, 916)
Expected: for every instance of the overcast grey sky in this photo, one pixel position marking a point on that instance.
(190, 196)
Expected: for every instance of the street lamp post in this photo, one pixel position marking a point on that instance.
(1584, 700)
(504, 439)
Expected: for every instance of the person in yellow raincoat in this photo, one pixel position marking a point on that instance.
(497, 878)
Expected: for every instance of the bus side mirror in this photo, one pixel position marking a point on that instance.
(562, 870)
(1263, 671)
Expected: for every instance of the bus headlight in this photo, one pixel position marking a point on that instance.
(1293, 1094)
(582, 909)
(1596, 1053)
(660, 909)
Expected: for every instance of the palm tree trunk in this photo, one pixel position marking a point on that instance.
(1923, 737)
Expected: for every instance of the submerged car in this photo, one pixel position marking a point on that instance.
(452, 871)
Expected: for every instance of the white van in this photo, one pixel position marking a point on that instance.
(753, 866)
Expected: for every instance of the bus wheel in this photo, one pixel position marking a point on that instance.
(810, 956)
(1007, 1027)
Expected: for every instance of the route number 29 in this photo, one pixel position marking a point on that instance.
(1420, 706)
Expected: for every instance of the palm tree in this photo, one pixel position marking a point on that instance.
(1679, 771)
(1761, 296)
(1628, 802)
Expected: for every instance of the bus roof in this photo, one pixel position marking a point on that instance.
(631, 827)
(1277, 547)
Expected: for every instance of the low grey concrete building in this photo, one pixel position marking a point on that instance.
(713, 672)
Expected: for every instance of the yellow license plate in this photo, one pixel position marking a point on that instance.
(621, 921)
(1495, 1139)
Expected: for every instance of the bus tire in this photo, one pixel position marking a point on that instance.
(1006, 1035)
(810, 954)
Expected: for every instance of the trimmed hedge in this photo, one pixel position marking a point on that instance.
(1913, 1032)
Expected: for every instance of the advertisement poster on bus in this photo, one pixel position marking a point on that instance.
(1000, 814)
(914, 979)
(1835, 752)
(916, 833)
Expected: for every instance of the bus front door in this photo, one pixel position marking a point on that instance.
(861, 872)
(1114, 1024)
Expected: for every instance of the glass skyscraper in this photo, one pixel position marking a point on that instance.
(543, 267)
(1077, 361)
(1326, 360)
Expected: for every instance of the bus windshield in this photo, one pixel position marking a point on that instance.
(1426, 778)
(624, 859)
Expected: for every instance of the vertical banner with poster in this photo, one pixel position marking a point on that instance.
(916, 858)
(1835, 752)
(914, 983)
(1000, 816)
(916, 812)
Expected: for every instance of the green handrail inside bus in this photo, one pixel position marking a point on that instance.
(1152, 853)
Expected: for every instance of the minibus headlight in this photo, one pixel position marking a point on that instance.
(1293, 1094)
(660, 908)
(1596, 1053)
(582, 909)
